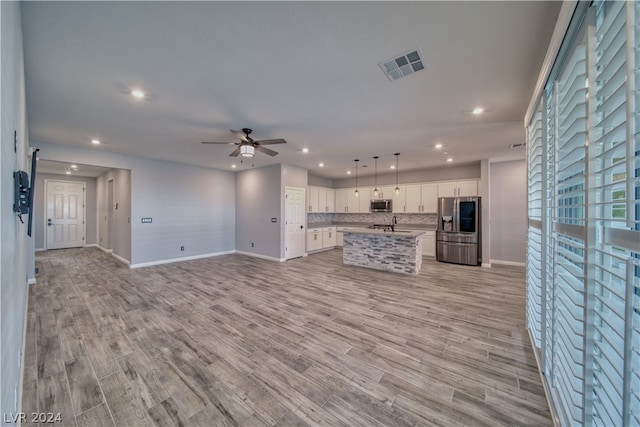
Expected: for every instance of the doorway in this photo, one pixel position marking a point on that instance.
(294, 220)
(65, 214)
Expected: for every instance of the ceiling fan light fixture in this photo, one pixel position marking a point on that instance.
(247, 150)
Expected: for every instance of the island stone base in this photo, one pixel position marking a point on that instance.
(383, 251)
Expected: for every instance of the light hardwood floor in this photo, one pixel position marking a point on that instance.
(235, 340)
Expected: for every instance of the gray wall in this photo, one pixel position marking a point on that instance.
(508, 207)
(258, 199)
(471, 171)
(191, 206)
(16, 249)
(40, 203)
(121, 222)
(319, 181)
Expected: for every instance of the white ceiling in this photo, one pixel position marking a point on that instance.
(304, 71)
(61, 168)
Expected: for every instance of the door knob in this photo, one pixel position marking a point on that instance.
(301, 227)
(49, 221)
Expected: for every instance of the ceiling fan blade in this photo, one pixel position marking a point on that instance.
(266, 150)
(235, 152)
(240, 135)
(271, 141)
(225, 143)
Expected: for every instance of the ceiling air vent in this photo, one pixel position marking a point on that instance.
(403, 65)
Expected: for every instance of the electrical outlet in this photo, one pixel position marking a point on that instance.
(251, 244)
(182, 248)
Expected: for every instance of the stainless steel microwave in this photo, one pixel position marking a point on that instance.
(380, 205)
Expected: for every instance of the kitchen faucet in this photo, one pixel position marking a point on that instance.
(394, 222)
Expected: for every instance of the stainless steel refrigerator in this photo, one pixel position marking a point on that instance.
(458, 239)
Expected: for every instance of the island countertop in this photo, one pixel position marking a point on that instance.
(397, 233)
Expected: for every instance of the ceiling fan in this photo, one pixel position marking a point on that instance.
(248, 146)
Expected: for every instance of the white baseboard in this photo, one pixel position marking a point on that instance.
(105, 250)
(270, 258)
(91, 245)
(486, 265)
(511, 263)
(40, 249)
(32, 281)
(187, 258)
(119, 258)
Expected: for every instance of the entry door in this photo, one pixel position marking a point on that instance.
(65, 214)
(294, 222)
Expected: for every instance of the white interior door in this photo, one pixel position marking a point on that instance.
(294, 222)
(65, 214)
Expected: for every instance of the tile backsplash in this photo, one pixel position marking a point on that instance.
(372, 218)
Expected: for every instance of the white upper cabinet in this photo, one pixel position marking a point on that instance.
(383, 193)
(399, 200)
(360, 203)
(321, 199)
(458, 189)
(468, 188)
(331, 200)
(342, 200)
(421, 198)
(413, 198)
(312, 199)
(429, 197)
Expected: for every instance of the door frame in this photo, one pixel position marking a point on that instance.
(284, 223)
(84, 209)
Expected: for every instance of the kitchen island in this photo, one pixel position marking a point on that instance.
(395, 251)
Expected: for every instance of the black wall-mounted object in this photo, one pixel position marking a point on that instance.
(21, 193)
(32, 189)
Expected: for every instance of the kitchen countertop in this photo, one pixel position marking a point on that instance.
(399, 233)
(425, 227)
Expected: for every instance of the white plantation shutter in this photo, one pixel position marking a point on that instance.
(534, 245)
(610, 210)
(584, 220)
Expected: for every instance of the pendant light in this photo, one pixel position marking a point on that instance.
(375, 189)
(356, 192)
(397, 186)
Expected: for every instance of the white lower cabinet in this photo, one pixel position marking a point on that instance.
(321, 238)
(429, 244)
(339, 239)
(328, 237)
(314, 239)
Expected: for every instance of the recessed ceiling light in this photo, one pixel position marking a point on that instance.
(68, 172)
(74, 166)
(305, 150)
(321, 165)
(95, 141)
(449, 159)
(478, 110)
(393, 166)
(137, 93)
(233, 166)
(348, 172)
(438, 146)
